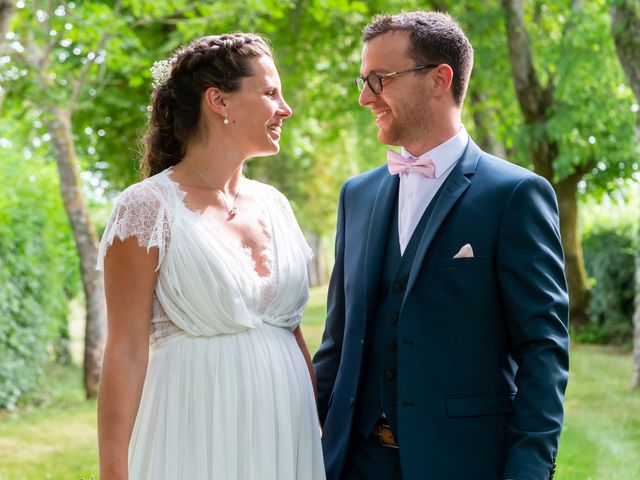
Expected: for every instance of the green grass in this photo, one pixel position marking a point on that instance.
(313, 318)
(601, 435)
(600, 440)
(55, 441)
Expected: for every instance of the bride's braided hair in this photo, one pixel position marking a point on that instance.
(219, 61)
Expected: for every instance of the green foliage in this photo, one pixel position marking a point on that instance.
(609, 241)
(38, 272)
(591, 117)
(317, 44)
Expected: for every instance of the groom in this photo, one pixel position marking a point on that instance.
(445, 352)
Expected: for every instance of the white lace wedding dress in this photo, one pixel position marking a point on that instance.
(227, 393)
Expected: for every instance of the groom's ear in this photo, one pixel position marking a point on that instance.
(442, 80)
(215, 99)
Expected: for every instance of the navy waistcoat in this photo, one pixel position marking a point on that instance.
(378, 387)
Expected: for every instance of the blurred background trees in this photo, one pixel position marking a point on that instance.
(626, 34)
(551, 91)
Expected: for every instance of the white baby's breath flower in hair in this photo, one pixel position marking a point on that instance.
(160, 73)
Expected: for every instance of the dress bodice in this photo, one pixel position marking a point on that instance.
(207, 285)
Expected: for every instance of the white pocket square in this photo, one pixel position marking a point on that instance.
(465, 252)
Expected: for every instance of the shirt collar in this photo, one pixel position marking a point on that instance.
(446, 154)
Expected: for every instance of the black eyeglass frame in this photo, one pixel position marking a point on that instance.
(362, 81)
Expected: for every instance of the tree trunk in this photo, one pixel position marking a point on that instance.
(625, 19)
(317, 266)
(625, 27)
(7, 8)
(579, 293)
(6, 12)
(58, 123)
(635, 375)
(482, 118)
(536, 102)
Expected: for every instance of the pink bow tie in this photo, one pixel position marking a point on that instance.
(398, 164)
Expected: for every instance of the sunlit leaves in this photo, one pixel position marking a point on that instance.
(318, 46)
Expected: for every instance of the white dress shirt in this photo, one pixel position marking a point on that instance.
(416, 191)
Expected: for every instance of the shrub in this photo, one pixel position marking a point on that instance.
(38, 271)
(609, 251)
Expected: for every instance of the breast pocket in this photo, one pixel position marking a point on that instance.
(463, 262)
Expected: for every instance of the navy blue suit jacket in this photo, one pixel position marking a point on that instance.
(482, 341)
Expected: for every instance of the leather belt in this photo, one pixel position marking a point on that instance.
(384, 435)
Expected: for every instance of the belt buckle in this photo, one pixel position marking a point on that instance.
(385, 437)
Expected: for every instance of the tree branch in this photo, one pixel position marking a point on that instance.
(531, 96)
(582, 170)
(173, 19)
(625, 25)
(50, 13)
(484, 120)
(625, 17)
(573, 178)
(46, 54)
(439, 5)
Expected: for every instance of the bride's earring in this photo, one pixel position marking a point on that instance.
(226, 119)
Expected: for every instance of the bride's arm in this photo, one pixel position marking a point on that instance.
(130, 279)
(305, 352)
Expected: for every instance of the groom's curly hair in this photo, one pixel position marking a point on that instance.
(434, 38)
(220, 61)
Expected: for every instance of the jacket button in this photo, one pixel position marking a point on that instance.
(394, 317)
(398, 287)
(351, 402)
(391, 346)
(388, 375)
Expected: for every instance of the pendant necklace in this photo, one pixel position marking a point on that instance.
(232, 210)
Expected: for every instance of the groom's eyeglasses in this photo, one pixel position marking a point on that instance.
(374, 80)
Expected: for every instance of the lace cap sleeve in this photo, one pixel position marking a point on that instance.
(141, 211)
(285, 207)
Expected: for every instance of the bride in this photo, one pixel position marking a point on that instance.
(206, 373)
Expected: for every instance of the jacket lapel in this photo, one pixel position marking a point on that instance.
(377, 236)
(454, 187)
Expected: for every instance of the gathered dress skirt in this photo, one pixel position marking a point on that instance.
(228, 407)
